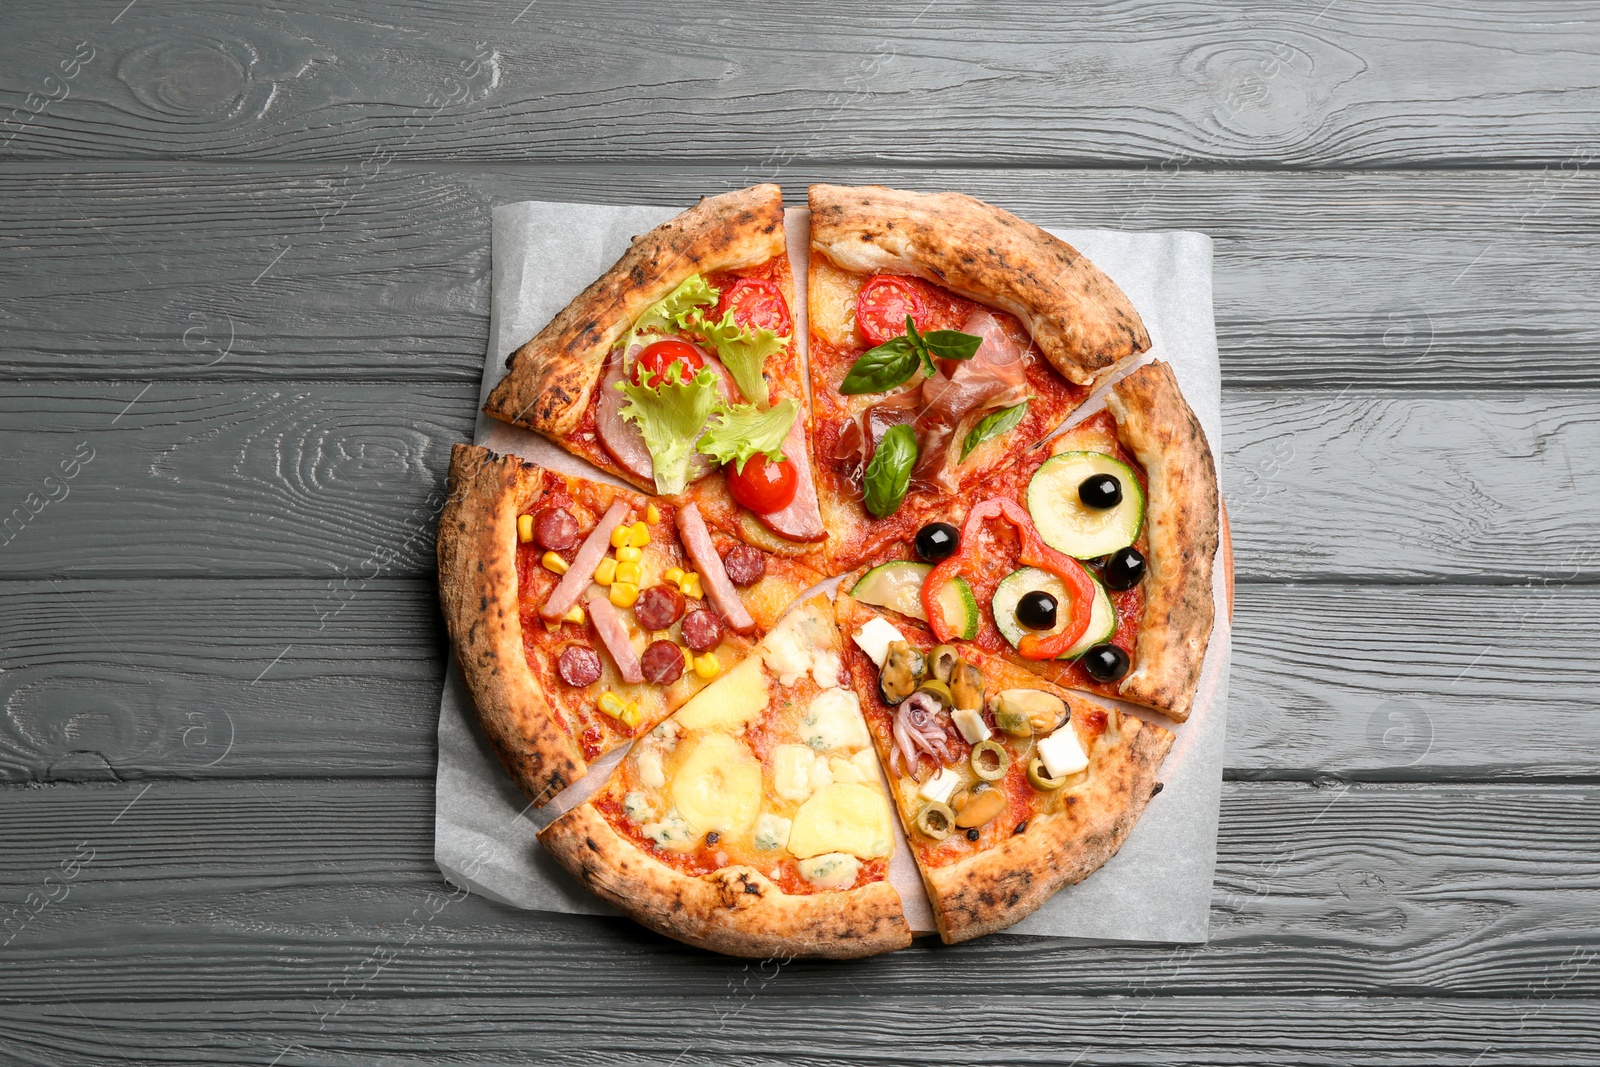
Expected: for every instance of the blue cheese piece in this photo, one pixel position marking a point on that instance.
(938, 788)
(670, 833)
(786, 656)
(772, 832)
(831, 870)
(1061, 752)
(833, 720)
(875, 638)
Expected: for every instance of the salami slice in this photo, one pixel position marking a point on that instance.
(745, 565)
(702, 630)
(658, 607)
(662, 662)
(579, 665)
(555, 529)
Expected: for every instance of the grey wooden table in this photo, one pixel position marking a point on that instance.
(245, 266)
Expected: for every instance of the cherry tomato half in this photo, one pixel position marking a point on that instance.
(883, 304)
(659, 355)
(763, 486)
(756, 303)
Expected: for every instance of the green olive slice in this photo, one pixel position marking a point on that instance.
(936, 820)
(1040, 778)
(943, 662)
(990, 760)
(937, 690)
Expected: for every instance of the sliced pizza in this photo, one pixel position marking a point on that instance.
(754, 821)
(678, 371)
(1009, 787)
(945, 336)
(1089, 561)
(583, 614)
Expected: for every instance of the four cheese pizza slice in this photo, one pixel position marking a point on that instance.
(754, 821)
(1009, 787)
(583, 614)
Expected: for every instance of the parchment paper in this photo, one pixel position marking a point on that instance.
(1157, 888)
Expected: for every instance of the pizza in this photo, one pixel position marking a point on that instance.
(945, 407)
(1009, 787)
(754, 821)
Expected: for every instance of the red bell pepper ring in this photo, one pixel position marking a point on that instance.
(1035, 553)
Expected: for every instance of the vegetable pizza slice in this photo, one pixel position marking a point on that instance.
(583, 614)
(1009, 788)
(946, 336)
(678, 371)
(754, 821)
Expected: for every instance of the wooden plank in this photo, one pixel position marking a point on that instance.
(185, 272)
(1290, 85)
(333, 480)
(145, 679)
(282, 890)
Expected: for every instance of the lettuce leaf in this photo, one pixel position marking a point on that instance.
(736, 433)
(672, 312)
(670, 416)
(743, 351)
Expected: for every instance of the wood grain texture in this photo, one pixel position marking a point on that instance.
(1291, 84)
(345, 481)
(1324, 279)
(151, 679)
(325, 891)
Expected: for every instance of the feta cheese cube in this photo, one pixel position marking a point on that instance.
(1061, 752)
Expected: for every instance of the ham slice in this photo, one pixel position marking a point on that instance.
(801, 519)
(614, 635)
(994, 377)
(578, 576)
(622, 439)
(724, 597)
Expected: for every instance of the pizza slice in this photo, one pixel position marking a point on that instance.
(1088, 562)
(1009, 787)
(678, 371)
(754, 821)
(946, 335)
(583, 614)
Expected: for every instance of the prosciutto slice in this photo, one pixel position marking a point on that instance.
(724, 597)
(801, 519)
(622, 440)
(576, 580)
(614, 635)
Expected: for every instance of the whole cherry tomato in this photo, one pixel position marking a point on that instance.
(763, 486)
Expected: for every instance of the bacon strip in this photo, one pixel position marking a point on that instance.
(577, 578)
(614, 635)
(724, 597)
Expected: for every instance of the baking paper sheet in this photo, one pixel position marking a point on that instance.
(1157, 888)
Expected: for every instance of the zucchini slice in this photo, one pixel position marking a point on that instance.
(898, 586)
(1066, 524)
(1014, 586)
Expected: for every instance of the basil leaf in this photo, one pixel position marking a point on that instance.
(993, 425)
(889, 474)
(952, 344)
(922, 350)
(881, 369)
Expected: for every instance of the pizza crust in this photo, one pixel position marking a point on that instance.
(737, 910)
(1079, 318)
(1158, 428)
(478, 593)
(553, 376)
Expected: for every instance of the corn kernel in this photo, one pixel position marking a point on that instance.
(688, 659)
(575, 615)
(706, 666)
(638, 535)
(612, 704)
(652, 514)
(629, 572)
(553, 562)
(524, 528)
(629, 554)
(623, 594)
(673, 575)
(630, 714)
(606, 571)
(619, 536)
(690, 586)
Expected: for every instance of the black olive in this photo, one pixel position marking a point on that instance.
(1123, 569)
(1037, 610)
(1100, 491)
(972, 834)
(936, 540)
(1105, 663)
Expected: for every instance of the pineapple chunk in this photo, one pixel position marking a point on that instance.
(718, 786)
(843, 817)
(733, 700)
